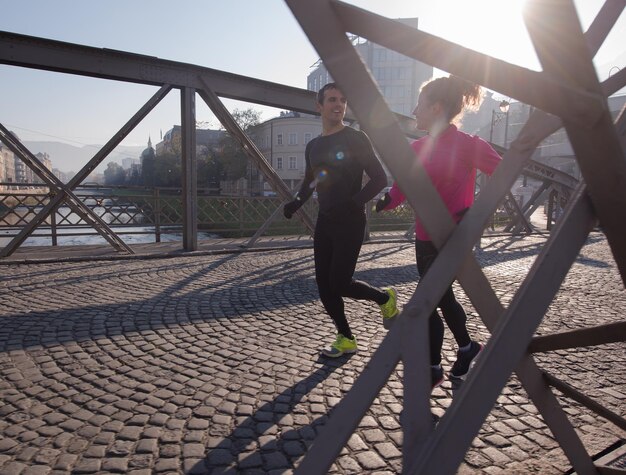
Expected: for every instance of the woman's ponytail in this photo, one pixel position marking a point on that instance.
(454, 94)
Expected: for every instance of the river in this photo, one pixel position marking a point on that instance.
(129, 232)
(143, 234)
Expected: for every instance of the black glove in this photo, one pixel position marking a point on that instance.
(382, 203)
(291, 208)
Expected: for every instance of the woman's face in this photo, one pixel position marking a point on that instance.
(426, 113)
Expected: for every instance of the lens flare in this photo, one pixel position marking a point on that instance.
(321, 176)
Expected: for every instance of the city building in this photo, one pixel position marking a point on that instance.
(399, 78)
(24, 174)
(64, 177)
(128, 162)
(500, 121)
(502, 125)
(282, 141)
(7, 166)
(171, 141)
(44, 158)
(558, 144)
(147, 153)
(14, 170)
(21, 171)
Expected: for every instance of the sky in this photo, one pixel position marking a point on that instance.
(256, 38)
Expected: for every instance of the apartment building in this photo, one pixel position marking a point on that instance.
(7, 165)
(282, 140)
(171, 141)
(14, 170)
(399, 77)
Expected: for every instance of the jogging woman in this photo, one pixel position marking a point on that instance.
(451, 158)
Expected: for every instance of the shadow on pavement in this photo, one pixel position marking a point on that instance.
(233, 454)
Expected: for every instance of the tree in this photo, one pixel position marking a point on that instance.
(148, 160)
(246, 118)
(168, 170)
(114, 174)
(232, 157)
(134, 177)
(210, 169)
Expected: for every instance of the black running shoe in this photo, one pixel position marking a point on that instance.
(436, 377)
(464, 359)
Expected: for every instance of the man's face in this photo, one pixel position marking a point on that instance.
(334, 107)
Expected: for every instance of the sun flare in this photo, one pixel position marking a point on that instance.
(493, 27)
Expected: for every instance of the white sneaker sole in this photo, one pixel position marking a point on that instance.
(328, 354)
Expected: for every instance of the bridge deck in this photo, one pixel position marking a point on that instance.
(209, 362)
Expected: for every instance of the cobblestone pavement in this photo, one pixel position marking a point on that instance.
(209, 364)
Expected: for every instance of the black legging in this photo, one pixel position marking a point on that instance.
(336, 246)
(452, 310)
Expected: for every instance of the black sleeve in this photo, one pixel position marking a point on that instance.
(306, 190)
(373, 169)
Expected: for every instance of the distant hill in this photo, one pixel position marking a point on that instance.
(70, 158)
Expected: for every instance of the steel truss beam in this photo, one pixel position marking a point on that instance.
(529, 208)
(39, 53)
(59, 189)
(540, 171)
(565, 56)
(551, 178)
(64, 192)
(515, 212)
(441, 449)
(227, 120)
(32, 52)
(50, 55)
(189, 167)
(600, 335)
(531, 87)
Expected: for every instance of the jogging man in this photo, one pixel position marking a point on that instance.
(335, 163)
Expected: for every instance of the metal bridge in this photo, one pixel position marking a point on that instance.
(566, 93)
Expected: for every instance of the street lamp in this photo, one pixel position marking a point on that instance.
(495, 116)
(504, 107)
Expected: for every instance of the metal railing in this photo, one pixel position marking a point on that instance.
(157, 211)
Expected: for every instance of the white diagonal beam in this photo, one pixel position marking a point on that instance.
(563, 52)
(525, 85)
(383, 158)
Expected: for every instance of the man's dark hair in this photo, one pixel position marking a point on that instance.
(326, 87)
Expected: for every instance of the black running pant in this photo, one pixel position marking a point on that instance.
(336, 245)
(452, 310)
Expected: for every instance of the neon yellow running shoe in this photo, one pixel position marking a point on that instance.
(340, 346)
(389, 309)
